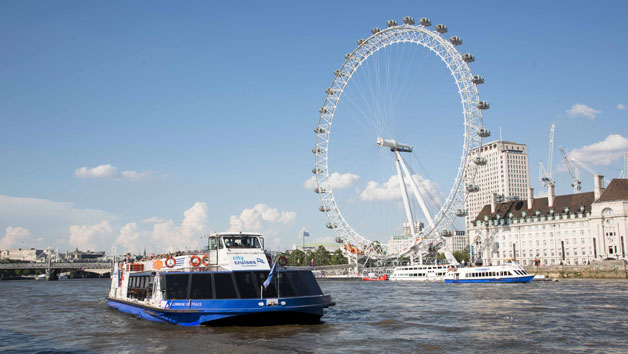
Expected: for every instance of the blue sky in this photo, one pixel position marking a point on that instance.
(212, 106)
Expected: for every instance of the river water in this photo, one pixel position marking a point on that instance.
(565, 316)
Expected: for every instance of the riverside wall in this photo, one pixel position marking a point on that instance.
(595, 270)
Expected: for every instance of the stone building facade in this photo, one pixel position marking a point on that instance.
(567, 229)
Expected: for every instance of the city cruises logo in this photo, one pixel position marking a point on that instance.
(239, 260)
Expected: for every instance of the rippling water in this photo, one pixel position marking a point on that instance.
(566, 316)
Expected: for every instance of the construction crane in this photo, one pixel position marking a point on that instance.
(545, 175)
(574, 171)
(583, 165)
(624, 173)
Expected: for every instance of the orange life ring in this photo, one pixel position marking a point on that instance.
(170, 262)
(205, 260)
(282, 261)
(195, 261)
(158, 264)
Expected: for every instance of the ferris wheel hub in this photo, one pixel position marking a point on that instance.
(393, 145)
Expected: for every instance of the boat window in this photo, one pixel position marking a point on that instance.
(247, 285)
(201, 286)
(224, 286)
(309, 283)
(285, 286)
(177, 286)
(241, 241)
(269, 292)
(213, 244)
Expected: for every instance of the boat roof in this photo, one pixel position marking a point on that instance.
(241, 233)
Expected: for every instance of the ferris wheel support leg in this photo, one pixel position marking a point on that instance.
(415, 189)
(404, 194)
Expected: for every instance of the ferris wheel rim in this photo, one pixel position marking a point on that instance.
(460, 71)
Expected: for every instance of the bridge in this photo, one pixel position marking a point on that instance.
(52, 268)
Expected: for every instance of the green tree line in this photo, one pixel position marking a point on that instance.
(321, 256)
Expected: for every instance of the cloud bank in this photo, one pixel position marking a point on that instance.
(108, 171)
(337, 180)
(582, 110)
(603, 152)
(14, 237)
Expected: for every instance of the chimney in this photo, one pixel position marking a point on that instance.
(493, 203)
(598, 186)
(530, 197)
(550, 195)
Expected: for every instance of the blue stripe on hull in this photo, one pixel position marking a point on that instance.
(214, 310)
(523, 279)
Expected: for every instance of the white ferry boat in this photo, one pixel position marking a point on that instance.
(231, 283)
(434, 272)
(511, 272)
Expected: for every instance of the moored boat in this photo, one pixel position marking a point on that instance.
(230, 283)
(374, 277)
(425, 272)
(510, 272)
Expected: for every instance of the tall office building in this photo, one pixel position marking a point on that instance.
(505, 174)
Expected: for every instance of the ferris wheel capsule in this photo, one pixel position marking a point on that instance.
(319, 190)
(316, 150)
(360, 41)
(455, 40)
(319, 130)
(477, 79)
(331, 225)
(316, 171)
(461, 212)
(408, 20)
(480, 161)
(484, 133)
(472, 188)
(323, 110)
(441, 28)
(425, 22)
(391, 23)
(446, 233)
(323, 209)
(468, 58)
(483, 105)
(374, 30)
(348, 55)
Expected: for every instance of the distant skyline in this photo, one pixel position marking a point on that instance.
(150, 124)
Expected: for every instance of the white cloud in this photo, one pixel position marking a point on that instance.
(14, 237)
(622, 107)
(602, 153)
(337, 180)
(91, 237)
(108, 171)
(165, 235)
(582, 110)
(132, 239)
(195, 224)
(261, 218)
(391, 190)
(48, 219)
(153, 220)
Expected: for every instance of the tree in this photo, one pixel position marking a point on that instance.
(462, 255)
(322, 256)
(296, 258)
(338, 258)
(441, 257)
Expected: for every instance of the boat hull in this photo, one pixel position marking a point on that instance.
(246, 312)
(521, 279)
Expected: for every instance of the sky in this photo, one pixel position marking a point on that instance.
(148, 124)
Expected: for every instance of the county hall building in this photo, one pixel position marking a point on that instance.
(570, 229)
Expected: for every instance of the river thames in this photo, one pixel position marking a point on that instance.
(565, 316)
